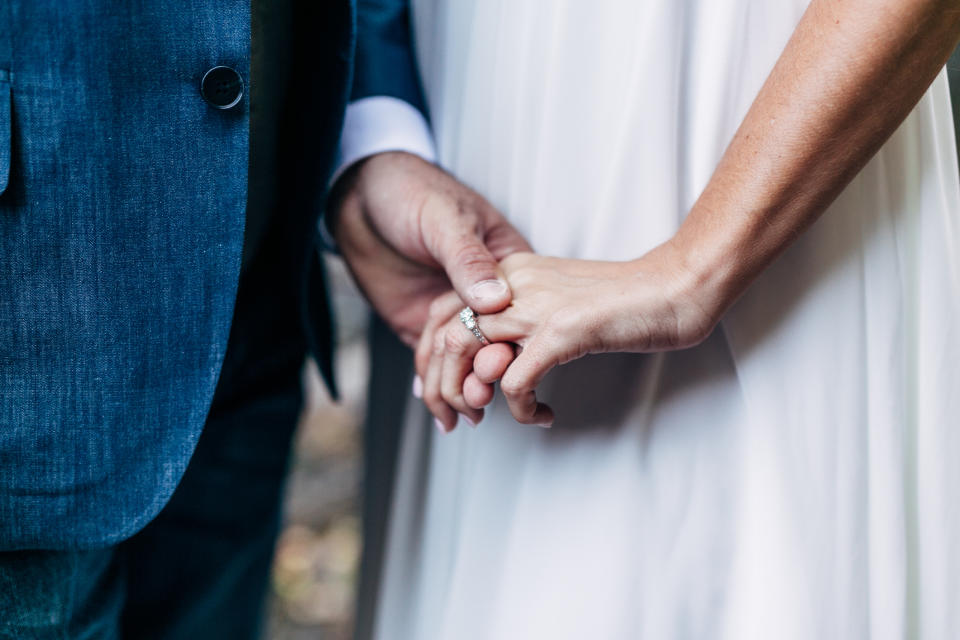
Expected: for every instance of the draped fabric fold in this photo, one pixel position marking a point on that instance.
(796, 476)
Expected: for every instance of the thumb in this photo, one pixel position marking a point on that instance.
(457, 232)
(475, 273)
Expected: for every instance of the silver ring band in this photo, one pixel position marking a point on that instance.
(469, 320)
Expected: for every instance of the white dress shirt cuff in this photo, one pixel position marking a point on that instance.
(381, 123)
(375, 125)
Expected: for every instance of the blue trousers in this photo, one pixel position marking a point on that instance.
(201, 568)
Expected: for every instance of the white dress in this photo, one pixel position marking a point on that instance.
(795, 477)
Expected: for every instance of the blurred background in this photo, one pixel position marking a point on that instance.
(318, 555)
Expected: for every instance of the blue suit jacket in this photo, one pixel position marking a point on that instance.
(122, 203)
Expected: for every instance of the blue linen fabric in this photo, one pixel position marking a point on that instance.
(52, 595)
(953, 75)
(122, 203)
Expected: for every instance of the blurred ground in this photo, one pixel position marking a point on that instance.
(315, 569)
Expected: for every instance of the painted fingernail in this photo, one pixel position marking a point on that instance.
(488, 290)
(417, 387)
(439, 425)
(469, 421)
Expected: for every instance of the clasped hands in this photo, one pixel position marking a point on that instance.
(562, 309)
(422, 246)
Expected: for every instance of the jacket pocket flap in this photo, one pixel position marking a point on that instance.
(5, 127)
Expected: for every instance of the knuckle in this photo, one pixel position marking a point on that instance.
(470, 255)
(512, 387)
(516, 261)
(522, 277)
(450, 394)
(452, 391)
(524, 412)
(454, 343)
(456, 401)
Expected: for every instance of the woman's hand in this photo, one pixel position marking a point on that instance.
(848, 77)
(562, 310)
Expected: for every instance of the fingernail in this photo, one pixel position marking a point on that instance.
(417, 387)
(488, 290)
(468, 421)
(439, 425)
(545, 425)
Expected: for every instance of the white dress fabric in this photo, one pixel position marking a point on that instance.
(797, 476)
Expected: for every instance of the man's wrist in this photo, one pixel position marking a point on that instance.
(372, 126)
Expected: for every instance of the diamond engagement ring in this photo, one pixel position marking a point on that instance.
(469, 320)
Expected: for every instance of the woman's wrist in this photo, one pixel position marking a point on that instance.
(677, 303)
(703, 278)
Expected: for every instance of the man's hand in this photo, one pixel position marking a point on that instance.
(410, 232)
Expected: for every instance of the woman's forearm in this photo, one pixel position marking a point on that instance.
(850, 74)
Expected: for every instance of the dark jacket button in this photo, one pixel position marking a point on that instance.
(222, 87)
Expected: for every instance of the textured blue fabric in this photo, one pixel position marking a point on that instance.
(5, 54)
(953, 73)
(4, 129)
(200, 568)
(385, 61)
(121, 229)
(54, 595)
